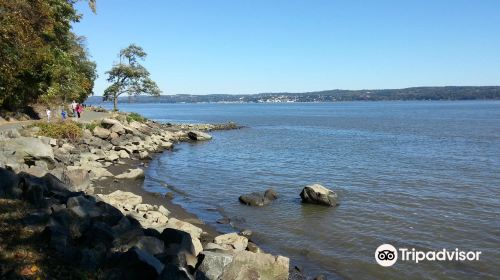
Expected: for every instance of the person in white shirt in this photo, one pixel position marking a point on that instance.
(48, 114)
(73, 107)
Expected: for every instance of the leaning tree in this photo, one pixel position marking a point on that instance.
(128, 76)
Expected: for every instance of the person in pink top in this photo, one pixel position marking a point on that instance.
(79, 109)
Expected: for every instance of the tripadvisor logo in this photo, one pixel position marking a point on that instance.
(387, 255)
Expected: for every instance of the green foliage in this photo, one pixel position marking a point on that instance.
(136, 117)
(60, 130)
(90, 126)
(128, 76)
(41, 59)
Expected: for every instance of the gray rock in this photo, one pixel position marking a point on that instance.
(134, 264)
(259, 199)
(198, 136)
(28, 149)
(213, 265)
(77, 179)
(317, 194)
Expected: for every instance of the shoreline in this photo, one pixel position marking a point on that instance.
(105, 167)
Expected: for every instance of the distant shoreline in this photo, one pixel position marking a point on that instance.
(337, 95)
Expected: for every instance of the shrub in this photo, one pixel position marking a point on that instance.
(136, 117)
(60, 130)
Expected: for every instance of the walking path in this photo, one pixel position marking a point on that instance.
(87, 116)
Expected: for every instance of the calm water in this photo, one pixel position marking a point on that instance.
(422, 175)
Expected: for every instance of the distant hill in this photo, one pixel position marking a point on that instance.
(414, 93)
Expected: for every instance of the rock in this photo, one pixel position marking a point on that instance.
(259, 199)
(131, 174)
(184, 226)
(120, 198)
(9, 184)
(246, 233)
(317, 194)
(181, 246)
(235, 241)
(217, 248)
(112, 156)
(213, 265)
(150, 244)
(123, 154)
(248, 265)
(144, 155)
(252, 247)
(163, 210)
(107, 122)
(134, 264)
(113, 135)
(224, 221)
(117, 128)
(97, 172)
(30, 149)
(76, 179)
(198, 135)
(101, 132)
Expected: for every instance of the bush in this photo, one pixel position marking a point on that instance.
(60, 130)
(136, 117)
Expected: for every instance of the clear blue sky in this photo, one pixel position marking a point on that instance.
(252, 46)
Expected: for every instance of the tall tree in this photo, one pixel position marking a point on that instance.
(41, 59)
(129, 76)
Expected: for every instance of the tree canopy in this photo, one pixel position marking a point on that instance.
(129, 76)
(41, 59)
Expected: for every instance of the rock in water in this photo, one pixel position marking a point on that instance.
(198, 136)
(259, 199)
(317, 194)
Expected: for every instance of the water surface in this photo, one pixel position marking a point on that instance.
(422, 175)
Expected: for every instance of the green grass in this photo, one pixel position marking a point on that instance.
(136, 117)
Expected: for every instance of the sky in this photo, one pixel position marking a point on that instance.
(253, 46)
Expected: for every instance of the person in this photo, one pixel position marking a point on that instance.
(79, 109)
(73, 107)
(63, 114)
(48, 114)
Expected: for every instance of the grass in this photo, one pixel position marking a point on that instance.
(136, 117)
(61, 130)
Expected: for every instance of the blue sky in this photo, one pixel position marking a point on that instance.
(252, 46)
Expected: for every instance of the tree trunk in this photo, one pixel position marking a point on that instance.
(115, 103)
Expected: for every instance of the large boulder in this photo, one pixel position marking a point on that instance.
(101, 132)
(30, 149)
(198, 135)
(248, 265)
(259, 199)
(317, 194)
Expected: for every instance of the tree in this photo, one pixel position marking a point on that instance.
(41, 59)
(128, 76)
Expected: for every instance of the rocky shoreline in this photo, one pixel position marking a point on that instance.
(85, 204)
